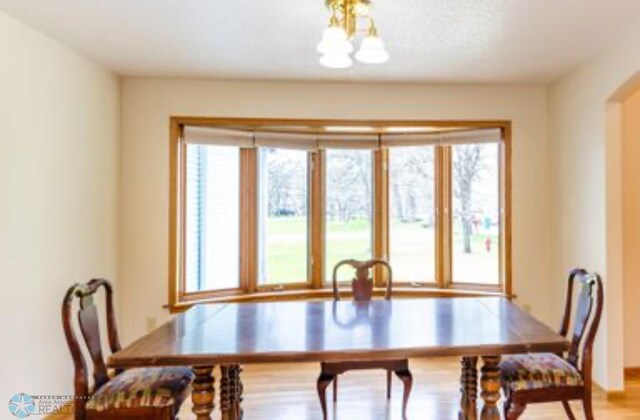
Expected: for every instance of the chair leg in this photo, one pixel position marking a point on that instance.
(506, 406)
(322, 384)
(515, 410)
(567, 409)
(335, 389)
(588, 408)
(388, 384)
(407, 380)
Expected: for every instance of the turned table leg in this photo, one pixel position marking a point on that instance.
(226, 407)
(490, 386)
(468, 388)
(203, 392)
(230, 392)
(236, 390)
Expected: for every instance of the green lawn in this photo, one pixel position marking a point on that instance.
(412, 253)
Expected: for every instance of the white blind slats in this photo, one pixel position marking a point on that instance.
(311, 142)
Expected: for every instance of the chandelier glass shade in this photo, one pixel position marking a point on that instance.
(337, 40)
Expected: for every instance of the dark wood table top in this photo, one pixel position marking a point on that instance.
(242, 333)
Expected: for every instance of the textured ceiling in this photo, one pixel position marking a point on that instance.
(455, 41)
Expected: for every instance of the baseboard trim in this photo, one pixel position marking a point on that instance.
(610, 395)
(632, 372)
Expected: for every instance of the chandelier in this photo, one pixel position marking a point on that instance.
(336, 44)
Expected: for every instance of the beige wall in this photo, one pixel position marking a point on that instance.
(631, 227)
(59, 115)
(148, 103)
(586, 188)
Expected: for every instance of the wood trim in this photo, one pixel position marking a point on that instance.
(445, 255)
(381, 213)
(506, 232)
(175, 241)
(632, 373)
(316, 230)
(323, 294)
(321, 123)
(317, 219)
(248, 213)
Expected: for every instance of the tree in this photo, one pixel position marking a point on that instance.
(467, 168)
(411, 172)
(286, 186)
(348, 185)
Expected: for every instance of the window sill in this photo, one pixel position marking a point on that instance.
(322, 294)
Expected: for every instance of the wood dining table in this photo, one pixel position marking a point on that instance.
(235, 334)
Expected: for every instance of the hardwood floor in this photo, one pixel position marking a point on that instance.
(287, 392)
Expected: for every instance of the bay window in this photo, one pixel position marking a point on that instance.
(258, 210)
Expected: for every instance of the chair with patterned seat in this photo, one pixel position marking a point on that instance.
(538, 378)
(362, 290)
(149, 393)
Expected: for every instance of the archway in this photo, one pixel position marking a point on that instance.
(623, 201)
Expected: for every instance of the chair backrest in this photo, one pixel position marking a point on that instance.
(586, 320)
(89, 325)
(362, 283)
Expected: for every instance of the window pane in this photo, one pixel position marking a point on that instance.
(212, 218)
(412, 214)
(476, 217)
(349, 192)
(283, 216)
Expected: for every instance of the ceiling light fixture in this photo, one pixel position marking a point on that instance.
(336, 45)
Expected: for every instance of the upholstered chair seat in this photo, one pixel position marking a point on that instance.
(143, 388)
(536, 371)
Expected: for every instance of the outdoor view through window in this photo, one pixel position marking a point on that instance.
(348, 208)
(476, 214)
(283, 221)
(412, 214)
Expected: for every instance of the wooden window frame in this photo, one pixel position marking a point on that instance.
(315, 287)
(254, 218)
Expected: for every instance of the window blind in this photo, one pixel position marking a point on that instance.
(323, 141)
(196, 215)
(296, 141)
(491, 135)
(348, 141)
(218, 136)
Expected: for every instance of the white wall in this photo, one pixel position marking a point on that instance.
(631, 227)
(586, 153)
(59, 115)
(148, 103)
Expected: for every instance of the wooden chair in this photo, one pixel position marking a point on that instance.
(538, 378)
(362, 289)
(149, 393)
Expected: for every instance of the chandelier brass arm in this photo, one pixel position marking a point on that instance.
(342, 30)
